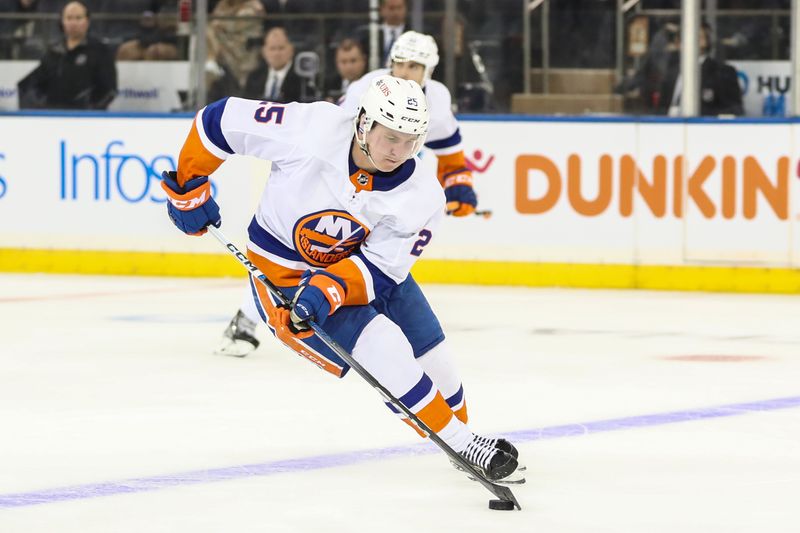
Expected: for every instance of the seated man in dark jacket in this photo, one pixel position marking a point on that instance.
(76, 73)
(351, 64)
(275, 79)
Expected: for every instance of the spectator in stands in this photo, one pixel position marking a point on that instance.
(14, 32)
(393, 24)
(77, 73)
(720, 93)
(233, 27)
(645, 86)
(156, 39)
(351, 64)
(275, 79)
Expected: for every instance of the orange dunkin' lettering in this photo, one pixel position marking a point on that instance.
(728, 187)
(694, 187)
(695, 190)
(689, 186)
(777, 195)
(524, 203)
(589, 208)
(653, 193)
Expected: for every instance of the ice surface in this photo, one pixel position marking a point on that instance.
(634, 411)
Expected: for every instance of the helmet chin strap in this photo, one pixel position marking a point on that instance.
(362, 145)
(365, 149)
(374, 164)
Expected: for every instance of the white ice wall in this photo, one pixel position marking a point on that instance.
(560, 190)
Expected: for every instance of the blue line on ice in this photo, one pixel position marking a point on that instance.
(146, 484)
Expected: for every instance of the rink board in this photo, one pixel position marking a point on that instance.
(673, 204)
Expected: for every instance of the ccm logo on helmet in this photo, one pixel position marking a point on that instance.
(409, 119)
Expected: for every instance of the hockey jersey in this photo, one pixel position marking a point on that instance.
(318, 209)
(444, 135)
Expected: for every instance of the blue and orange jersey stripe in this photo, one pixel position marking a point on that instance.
(358, 280)
(280, 275)
(205, 147)
(446, 145)
(450, 163)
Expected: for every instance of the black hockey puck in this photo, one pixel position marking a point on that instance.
(501, 505)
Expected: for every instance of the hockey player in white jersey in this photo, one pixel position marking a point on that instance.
(342, 219)
(413, 56)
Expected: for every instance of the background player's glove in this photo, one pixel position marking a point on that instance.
(458, 191)
(190, 207)
(321, 294)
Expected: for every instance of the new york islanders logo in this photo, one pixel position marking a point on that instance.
(325, 237)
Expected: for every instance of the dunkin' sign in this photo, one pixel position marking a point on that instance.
(616, 191)
(666, 185)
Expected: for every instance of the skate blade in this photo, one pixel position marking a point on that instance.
(514, 478)
(234, 348)
(520, 467)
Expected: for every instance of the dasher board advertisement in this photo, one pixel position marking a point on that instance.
(561, 191)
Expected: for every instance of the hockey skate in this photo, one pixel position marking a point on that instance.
(239, 339)
(496, 459)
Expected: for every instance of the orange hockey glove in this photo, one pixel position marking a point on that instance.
(278, 318)
(458, 191)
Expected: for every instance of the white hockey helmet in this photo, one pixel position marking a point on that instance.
(398, 104)
(417, 47)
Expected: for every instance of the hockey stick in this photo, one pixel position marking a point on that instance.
(501, 492)
(485, 213)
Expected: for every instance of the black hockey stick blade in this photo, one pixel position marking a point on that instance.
(504, 493)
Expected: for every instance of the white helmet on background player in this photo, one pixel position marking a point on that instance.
(416, 47)
(395, 103)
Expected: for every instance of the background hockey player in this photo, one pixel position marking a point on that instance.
(413, 56)
(341, 221)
